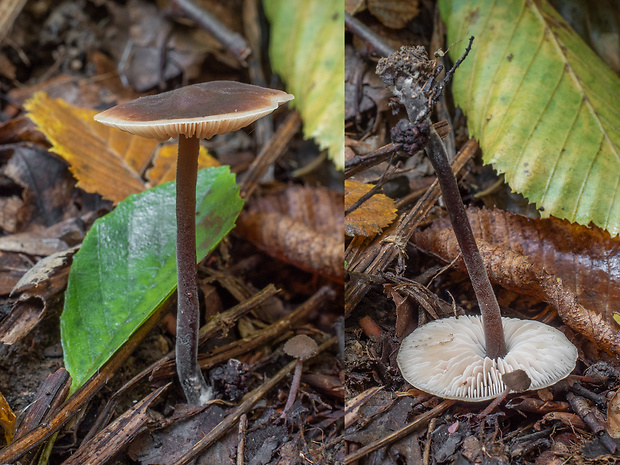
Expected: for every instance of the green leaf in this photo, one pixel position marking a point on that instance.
(126, 268)
(307, 50)
(543, 106)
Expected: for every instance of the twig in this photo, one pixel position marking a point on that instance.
(243, 426)
(427, 444)
(234, 349)
(359, 163)
(116, 435)
(380, 254)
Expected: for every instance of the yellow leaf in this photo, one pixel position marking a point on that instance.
(103, 160)
(372, 216)
(7, 419)
(165, 163)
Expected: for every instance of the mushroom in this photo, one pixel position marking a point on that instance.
(192, 113)
(301, 347)
(447, 357)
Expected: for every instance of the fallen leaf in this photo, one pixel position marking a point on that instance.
(39, 289)
(372, 216)
(318, 208)
(103, 160)
(539, 100)
(295, 243)
(570, 266)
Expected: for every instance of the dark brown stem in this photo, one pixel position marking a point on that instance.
(491, 315)
(193, 383)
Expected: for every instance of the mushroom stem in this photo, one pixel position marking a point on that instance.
(294, 387)
(489, 308)
(192, 381)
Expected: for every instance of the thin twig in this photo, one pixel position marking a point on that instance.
(380, 47)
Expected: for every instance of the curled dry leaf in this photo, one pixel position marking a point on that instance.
(570, 266)
(302, 226)
(317, 207)
(372, 216)
(165, 163)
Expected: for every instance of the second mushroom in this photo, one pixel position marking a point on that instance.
(191, 113)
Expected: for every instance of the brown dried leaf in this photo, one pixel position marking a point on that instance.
(394, 13)
(104, 160)
(318, 208)
(372, 216)
(295, 243)
(303, 226)
(570, 266)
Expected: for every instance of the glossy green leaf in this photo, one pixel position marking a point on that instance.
(543, 106)
(126, 268)
(307, 50)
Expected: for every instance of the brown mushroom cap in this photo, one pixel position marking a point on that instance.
(301, 347)
(447, 357)
(201, 110)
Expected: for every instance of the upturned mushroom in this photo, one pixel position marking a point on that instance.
(465, 358)
(447, 357)
(301, 347)
(191, 113)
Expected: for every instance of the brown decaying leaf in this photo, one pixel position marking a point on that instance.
(317, 207)
(570, 266)
(295, 243)
(39, 289)
(302, 226)
(372, 216)
(394, 13)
